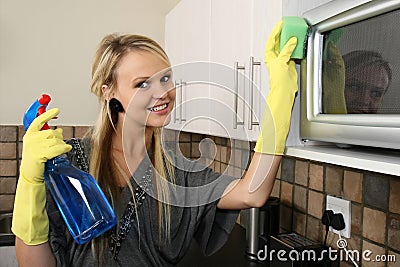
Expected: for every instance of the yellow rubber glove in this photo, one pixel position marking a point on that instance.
(283, 87)
(30, 221)
(333, 82)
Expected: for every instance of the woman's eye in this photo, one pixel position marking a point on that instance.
(376, 94)
(165, 79)
(143, 84)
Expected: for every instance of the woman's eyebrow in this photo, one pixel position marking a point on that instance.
(144, 78)
(140, 78)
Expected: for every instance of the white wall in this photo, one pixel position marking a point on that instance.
(47, 46)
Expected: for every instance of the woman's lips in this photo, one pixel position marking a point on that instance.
(159, 109)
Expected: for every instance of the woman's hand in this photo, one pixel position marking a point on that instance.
(30, 222)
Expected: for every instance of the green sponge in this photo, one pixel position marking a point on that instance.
(294, 27)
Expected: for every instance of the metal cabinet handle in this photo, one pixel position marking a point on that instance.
(183, 83)
(251, 86)
(177, 86)
(236, 69)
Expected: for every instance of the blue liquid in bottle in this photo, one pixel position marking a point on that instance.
(83, 206)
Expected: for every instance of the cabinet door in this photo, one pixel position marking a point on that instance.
(196, 46)
(187, 42)
(230, 48)
(265, 14)
(174, 49)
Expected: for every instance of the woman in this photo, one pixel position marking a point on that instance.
(131, 78)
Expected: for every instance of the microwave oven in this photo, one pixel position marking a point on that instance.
(350, 76)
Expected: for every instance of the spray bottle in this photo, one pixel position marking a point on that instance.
(83, 206)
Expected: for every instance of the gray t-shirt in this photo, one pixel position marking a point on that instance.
(209, 225)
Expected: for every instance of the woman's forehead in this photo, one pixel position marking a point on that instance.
(140, 64)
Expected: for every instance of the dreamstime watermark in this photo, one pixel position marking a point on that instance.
(324, 255)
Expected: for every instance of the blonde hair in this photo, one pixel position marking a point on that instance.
(111, 50)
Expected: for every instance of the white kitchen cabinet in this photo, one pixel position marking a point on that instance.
(231, 47)
(187, 41)
(231, 35)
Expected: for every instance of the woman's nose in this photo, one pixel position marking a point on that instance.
(161, 90)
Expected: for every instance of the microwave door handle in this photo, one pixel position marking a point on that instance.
(253, 63)
(236, 69)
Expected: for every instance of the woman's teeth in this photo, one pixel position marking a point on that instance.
(158, 108)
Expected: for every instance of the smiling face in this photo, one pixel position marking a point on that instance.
(145, 89)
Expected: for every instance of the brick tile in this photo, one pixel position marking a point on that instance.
(195, 150)
(354, 243)
(8, 168)
(285, 218)
(316, 177)
(316, 203)
(352, 186)
(224, 156)
(278, 174)
(333, 181)
(300, 198)
(301, 172)
(8, 150)
(299, 223)
(288, 165)
(237, 157)
(184, 136)
(238, 173)
(21, 132)
(185, 149)
(223, 167)
(81, 131)
(286, 193)
(197, 137)
(373, 225)
(394, 231)
(276, 189)
(68, 132)
(376, 190)
(20, 145)
(356, 219)
(217, 166)
(6, 203)
(396, 261)
(169, 135)
(394, 198)
(245, 159)
(375, 250)
(8, 133)
(218, 153)
(8, 185)
(314, 229)
(230, 170)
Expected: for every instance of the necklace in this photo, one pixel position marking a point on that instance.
(127, 220)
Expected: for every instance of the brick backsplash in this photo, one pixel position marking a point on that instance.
(301, 185)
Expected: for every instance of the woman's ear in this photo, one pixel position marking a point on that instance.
(106, 92)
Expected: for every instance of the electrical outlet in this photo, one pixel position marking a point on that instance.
(339, 205)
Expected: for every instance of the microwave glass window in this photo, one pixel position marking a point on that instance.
(361, 67)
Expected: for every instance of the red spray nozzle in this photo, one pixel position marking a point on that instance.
(44, 99)
(37, 108)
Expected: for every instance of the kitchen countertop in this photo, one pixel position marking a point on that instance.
(231, 254)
